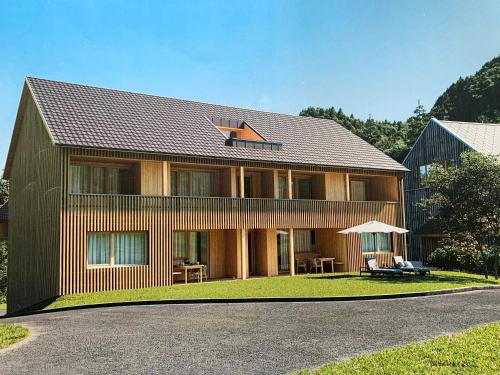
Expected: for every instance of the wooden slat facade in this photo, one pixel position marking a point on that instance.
(49, 226)
(435, 144)
(34, 209)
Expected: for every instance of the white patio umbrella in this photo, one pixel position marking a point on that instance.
(374, 227)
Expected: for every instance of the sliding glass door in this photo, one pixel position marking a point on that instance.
(282, 244)
(192, 246)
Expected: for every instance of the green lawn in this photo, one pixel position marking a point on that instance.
(474, 351)
(338, 284)
(3, 306)
(11, 333)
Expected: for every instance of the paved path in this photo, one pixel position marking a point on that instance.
(235, 338)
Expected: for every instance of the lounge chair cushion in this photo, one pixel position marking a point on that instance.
(408, 265)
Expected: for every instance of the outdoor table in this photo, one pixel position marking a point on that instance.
(327, 260)
(198, 267)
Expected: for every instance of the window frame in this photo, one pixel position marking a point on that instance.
(106, 166)
(111, 246)
(190, 171)
(376, 245)
(187, 242)
(296, 187)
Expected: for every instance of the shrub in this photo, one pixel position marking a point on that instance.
(3, 271)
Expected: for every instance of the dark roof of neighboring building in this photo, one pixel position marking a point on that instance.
(85, 116)
(4, 212)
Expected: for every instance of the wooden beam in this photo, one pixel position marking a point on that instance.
(276, 187)
(166, 178)
(347, 188)
(242, 182)
(244, 254)
(290, 182)
(291, 252)
(234, 183)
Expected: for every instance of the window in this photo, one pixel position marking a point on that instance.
(283, 257)
(93, 179)
(192, 183)
(282, 187)
(358, 190)
(302, 188)
(304, 240)
(116, 248)
(190, 245)
(378, 243)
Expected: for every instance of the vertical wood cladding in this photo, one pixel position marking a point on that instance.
(435, 144)
(34, 204)
(45, 214)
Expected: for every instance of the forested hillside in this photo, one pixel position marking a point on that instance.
(474, 98)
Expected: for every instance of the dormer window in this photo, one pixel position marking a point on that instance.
(239, 133)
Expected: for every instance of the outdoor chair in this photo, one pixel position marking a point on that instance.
(315, 263)
(413, 266)
(301, 263)
(205, 272)
(371, 266)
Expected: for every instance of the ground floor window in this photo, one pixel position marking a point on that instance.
(192, 246)
(304, 241)
(378, 243)
(116, 248)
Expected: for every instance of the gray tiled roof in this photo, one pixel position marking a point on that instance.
(102, 118)
(482, 137)
(4, 213)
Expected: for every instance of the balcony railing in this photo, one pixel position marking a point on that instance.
(228, 213)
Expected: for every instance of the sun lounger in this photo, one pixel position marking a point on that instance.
(413, 266)
(371, 267)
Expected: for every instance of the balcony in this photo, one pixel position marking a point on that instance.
(112, 212)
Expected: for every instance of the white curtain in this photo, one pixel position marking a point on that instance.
(283, 261)
(130, 248)
(202, 184)
(302, 241)
(98, 248)
(79, 179)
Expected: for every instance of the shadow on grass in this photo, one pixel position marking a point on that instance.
(331, 277)
(409, 278)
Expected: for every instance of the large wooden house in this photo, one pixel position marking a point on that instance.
(440, 142)
(111, 189)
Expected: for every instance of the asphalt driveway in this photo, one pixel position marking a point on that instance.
(261, 338)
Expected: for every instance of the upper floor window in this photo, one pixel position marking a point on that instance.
(282, 187)
(98, 179)
(358, 190)
(192, 183)
(302, 187)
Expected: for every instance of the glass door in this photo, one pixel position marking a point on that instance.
(283, 259)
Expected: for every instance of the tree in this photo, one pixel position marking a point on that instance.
(468, 202)
(4, 191)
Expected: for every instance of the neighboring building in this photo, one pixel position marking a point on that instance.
(109, 189)
(440, 142)
(4, 220)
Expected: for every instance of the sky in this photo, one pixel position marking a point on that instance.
(370, 58)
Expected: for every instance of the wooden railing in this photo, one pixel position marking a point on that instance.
(196, 213)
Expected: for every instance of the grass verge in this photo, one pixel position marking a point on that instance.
(338, 284)
(474, 351)
(11, 333)
(3, 306)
